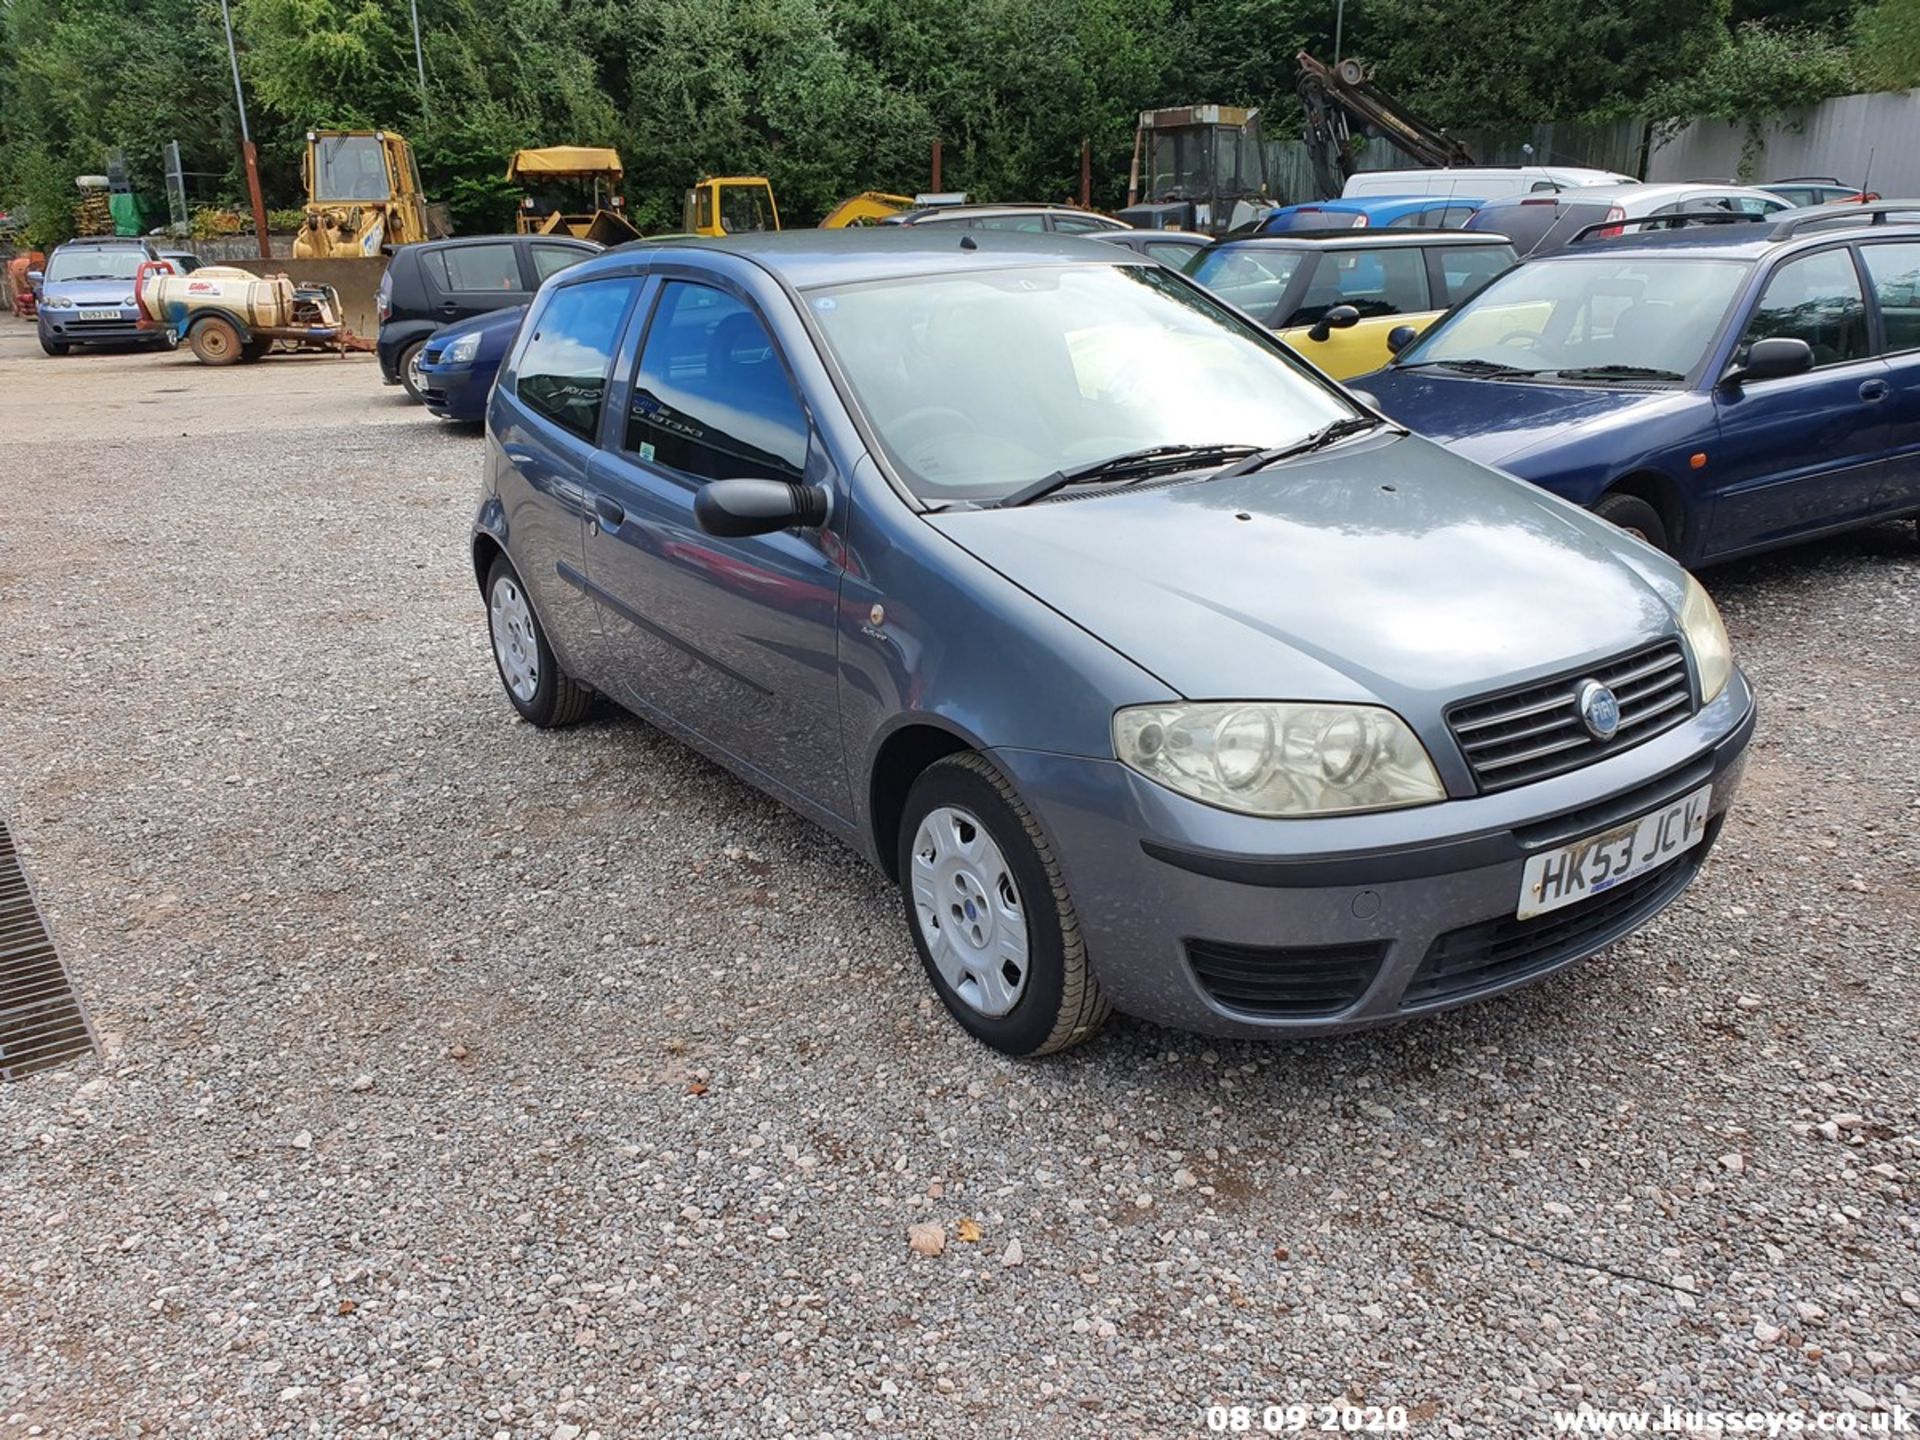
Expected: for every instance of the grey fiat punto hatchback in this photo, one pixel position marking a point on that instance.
(1160, 672)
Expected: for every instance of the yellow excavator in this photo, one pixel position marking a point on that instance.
(363, 197)
(572, 190)
(730, 205)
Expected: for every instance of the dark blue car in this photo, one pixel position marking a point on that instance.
(1714, 390)
(457, 366)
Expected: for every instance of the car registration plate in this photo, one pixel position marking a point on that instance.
(99, 314)
(1588, 867)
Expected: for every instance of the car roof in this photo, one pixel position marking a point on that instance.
(806, 258)
(1365, 239)
(1740, 240)
(1192, 237)
(102, 242)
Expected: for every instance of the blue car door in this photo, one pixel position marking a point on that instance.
(1893, 273)
(1802, 452)
(731, 640)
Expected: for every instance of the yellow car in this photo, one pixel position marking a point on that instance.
(1335, 296)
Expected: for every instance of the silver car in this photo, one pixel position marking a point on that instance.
(1159, 672)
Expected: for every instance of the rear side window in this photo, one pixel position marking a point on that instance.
(1466, 269)
(473, 267)
(711, 398)
(1325, 220)
(1374, 282)
(562, 374)
(1077, 224)
(1895, 273)
(551, 259)
(1010, 222)
(1815, 298)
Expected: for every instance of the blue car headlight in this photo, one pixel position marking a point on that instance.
(461, 351)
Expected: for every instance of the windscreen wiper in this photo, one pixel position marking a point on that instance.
(1318, 440)
(1152, 457)
(1472, 367)
(1616, 372)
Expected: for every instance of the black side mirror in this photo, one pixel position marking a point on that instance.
(1399, 337)
(758, 507)
(1340, 317)
(1771, 359)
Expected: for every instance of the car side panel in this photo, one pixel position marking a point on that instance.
(1357, 350)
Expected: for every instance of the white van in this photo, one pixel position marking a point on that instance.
(1479, 182)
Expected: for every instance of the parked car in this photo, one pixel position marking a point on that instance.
(1818, 190)
(86, 296)
(1538, 223)
(457, 366)
(1334, 295)
(1061, 219)
(1158, 672)
(432, 284)
(1714, 391)
(1478, 182)
(1172, 248)
(184, 262)
(1401, 212)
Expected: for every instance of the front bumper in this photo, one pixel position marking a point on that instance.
(1354, 921)
(447, 392)
(65, 327)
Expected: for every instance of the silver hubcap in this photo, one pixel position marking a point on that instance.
(414, 377)
(513, 643)
(969, 911)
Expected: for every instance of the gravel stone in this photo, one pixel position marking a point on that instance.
(627, 1018)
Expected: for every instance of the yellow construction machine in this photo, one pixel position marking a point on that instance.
(572, 190)
(869, 207)
(363, 196)
(730, 205)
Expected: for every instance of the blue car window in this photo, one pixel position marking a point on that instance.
(711, 398)
(1374, 282)
(1815, 298)
(562, 374)
(1895, 271)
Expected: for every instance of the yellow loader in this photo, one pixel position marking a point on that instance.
(572, 190)
(363, 197)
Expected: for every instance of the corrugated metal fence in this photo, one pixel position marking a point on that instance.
(1871, 140)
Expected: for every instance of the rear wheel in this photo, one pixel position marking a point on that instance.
(216, 341)
(543, 693)
(410, 375)
(1637, 518)
(990, 914)
(54, 347)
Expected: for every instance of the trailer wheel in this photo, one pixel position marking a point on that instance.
(216, 341)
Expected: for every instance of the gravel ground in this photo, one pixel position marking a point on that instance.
(460, 1079)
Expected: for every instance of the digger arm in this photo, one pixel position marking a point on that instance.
(1335, 96)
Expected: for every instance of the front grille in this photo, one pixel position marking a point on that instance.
(1530, 733)
(41, 1022)
(1291, 983)
(1496, 952)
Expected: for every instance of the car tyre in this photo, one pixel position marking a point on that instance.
(974, 864)
(410, 372)
(54, 347)
(536, 686)
(216, 341)
(1637, 518)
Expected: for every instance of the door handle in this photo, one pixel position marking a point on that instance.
(611, 514)
(1873, 390)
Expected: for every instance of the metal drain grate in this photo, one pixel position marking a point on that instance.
(41, 1022)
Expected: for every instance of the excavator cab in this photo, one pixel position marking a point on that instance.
(363, 196)
(730, 205)
(1198, 167)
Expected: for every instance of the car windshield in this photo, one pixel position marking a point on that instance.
(349, 167)
(115, 264)
(1588, 320)
(1253, 277)
(982, 384)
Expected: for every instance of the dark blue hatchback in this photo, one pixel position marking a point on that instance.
(1715, 390)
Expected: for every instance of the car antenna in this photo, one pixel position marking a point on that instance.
(967, 242)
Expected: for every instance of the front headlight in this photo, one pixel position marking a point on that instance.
(1707, 638)
(59, 302)
(462, 351)
(1279, 758)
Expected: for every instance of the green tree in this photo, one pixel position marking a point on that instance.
(1886, 45)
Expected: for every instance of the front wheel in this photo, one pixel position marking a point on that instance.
(1637, 518)
(990, 914)
(543, 693)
